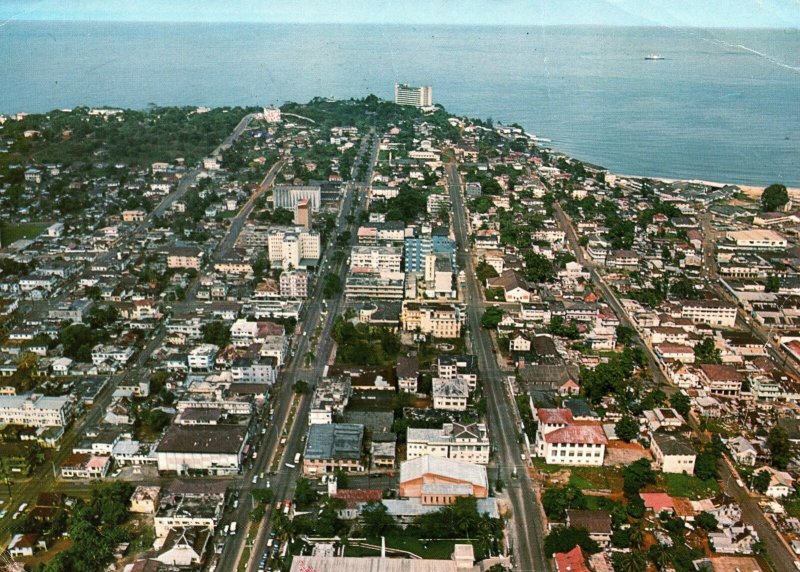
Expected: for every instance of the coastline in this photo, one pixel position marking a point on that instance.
(752, 191)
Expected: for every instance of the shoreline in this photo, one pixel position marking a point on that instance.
(752, 191)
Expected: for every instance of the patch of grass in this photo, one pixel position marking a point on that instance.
(689, 486)
(543, 467)
(595, 478)
(432, 549)
(12, 232)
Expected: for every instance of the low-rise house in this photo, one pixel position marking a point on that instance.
(780, 482)
(450, 394)
(673, 453)
(407, 373)
(596, 522)
(23, 545)
(438, 481)
(214, 449)
(334, 446)
(722, 380)
(572, 561)
(85, 466)
(145, 499)
(742, 451)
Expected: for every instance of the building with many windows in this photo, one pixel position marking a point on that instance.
(293, 247)
(453, 441)
(35, 410)
(405, 94)
(562, 440)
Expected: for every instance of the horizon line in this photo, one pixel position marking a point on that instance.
(12, 20)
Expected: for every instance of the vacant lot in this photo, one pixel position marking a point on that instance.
(12, 232)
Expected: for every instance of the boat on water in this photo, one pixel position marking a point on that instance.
(654, 57)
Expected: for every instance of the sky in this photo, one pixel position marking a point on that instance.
(690, 13)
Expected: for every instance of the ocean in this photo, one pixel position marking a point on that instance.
(722, 105)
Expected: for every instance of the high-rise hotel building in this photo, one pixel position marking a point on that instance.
(405, 94)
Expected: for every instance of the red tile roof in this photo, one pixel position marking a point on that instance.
(585, 434)
(554, 416)
(572, 561)
(657, 501)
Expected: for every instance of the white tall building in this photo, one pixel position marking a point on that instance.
(380, 258)
(405, 94)
(293, 247)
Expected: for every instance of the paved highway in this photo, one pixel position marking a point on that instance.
(527, 526)
(283, 482)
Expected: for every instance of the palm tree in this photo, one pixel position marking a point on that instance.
(636, 534)
(660, 556)
(630, 562)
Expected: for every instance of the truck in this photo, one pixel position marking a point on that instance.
(296, 458)
(232, 530)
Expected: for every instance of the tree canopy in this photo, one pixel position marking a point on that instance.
(774, 197)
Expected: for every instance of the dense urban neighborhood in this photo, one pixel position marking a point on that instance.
(367, 335)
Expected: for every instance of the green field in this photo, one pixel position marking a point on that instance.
(689, 486)
(434, 549)
(12, 232)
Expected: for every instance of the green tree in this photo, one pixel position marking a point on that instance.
(377, 519)
(706, 520)
(565, 538)
(779, 447)
(216, 333)
(773, 283)
(707, 465)
(707, 352)
(300, 386)
(627, 428)
(557, 500)
(485, 271)
(331, 285)
(636, 476)
(625, 335)
(304, 493)
(761, 481)
(774, 198)
(680, 403)
(492, 316)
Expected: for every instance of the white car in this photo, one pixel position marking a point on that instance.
(255, 479)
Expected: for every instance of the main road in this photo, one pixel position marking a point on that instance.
(527, 526)
(283, 481)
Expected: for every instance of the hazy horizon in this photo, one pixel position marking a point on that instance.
(776, 14)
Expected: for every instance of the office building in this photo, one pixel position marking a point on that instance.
(405, 94)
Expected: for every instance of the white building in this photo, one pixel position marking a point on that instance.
(293, 247)
(203, 357)
(35, 410)
(450, 394)
(673, 453)
(405, 94)
(379, 258)
(102, 353)
(713, 312)
(453, 441)
(294, 284)
(562, 441)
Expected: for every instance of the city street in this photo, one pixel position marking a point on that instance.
(527, 526)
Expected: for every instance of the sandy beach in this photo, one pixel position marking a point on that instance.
(750, 190)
